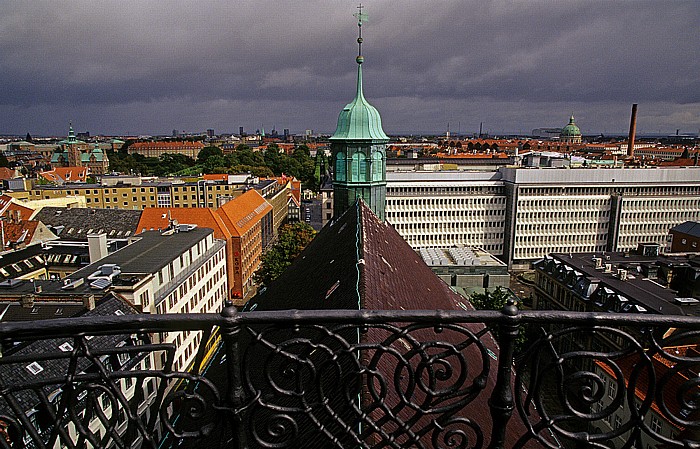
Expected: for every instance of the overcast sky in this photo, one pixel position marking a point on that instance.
(148, 67)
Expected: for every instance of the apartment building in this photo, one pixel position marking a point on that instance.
(249, 219)
(522, 214)
(138, 194)
(179, 270)
(155, 149)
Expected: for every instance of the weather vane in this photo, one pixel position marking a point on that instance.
(361, 17)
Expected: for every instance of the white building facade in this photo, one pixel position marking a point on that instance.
(432, 209)
(522, 214)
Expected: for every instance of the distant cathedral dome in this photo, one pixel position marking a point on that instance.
(570, 133)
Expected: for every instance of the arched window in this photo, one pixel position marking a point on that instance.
(359, 167)
(363, 167)
(340, 168)
(377, 166)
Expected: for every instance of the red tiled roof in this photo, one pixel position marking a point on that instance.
(8, 205)
(21, 232)
(64, 174)
(157, 218)
(216, 177)
(241, 213)
(662, 367)
(6, 173)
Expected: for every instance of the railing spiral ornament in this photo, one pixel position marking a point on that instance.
(192, 412)
(388, 383)
(457, 433)
(360, 379)
(569, 393)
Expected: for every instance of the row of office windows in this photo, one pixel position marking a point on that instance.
(455, 190)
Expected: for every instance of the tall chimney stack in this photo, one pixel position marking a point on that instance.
(633, 130)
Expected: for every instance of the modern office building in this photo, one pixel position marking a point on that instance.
(522, 214)
(447, 208)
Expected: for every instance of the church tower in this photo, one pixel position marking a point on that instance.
(359, 149)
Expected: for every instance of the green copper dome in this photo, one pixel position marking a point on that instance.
(571, 129)
(359, 120)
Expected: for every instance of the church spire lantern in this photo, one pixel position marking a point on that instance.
(359, 148)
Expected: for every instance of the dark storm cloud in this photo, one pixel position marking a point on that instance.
(150, 66)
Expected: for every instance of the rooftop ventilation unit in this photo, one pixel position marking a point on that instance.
(100, 283)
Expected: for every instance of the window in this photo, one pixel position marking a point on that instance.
(35, 368)
(612, 389)
(656, 424)
(618, 422)
(340, 168)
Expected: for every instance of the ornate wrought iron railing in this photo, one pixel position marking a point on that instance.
(354, 379)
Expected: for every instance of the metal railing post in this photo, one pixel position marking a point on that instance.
(501, 401)
(235, 393)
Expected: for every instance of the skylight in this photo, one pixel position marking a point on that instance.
(35, 368)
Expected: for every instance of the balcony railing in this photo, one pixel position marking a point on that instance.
(355, 379)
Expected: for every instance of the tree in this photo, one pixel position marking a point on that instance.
(496, 300)
(207, 152)
(292, 239)
(490, 300)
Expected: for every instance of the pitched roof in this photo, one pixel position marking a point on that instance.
(9, 205)
(7, 173)
(157, 218)
(688, 227)
(65, 174)
(664, 363)
(215, 177)
(241, 213)
(77, 222)
(360, 262)
(18, 233)
(18, 375)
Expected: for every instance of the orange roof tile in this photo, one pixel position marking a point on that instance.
(6, 173)
(157, 218)
(73, 174)
(216, 177)
(241, 213)
(21, 232)
(8, 204)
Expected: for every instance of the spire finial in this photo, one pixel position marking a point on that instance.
(361, 17)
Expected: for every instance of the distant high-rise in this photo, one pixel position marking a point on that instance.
(210, 133)
(359, 150)
(240, 130)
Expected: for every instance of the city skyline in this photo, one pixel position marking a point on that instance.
(140, 68)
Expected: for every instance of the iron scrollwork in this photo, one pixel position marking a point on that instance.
(386, 379)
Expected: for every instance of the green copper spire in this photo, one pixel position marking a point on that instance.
(359, 150)
(359, 120)
(71, 134)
